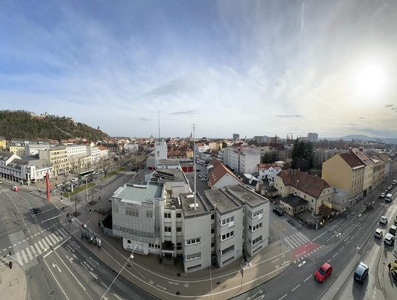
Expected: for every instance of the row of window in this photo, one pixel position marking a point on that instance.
(193, 241)
(168, 229)
(226, 235)
(227, 220)
(256, 227)
(255, 214)
(193, 256)
(133, 231)
(168, 215)
(227, 250)
(257, 240)
(132, 212)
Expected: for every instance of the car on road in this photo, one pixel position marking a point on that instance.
(323, 272)
(278, 211)
(382, 195)
(378, 233)
(393, 230)
(15, 188)
(36, 210)
(389, 239)
(361, 272)
(383, 220)
(1, 181)
(203, 179)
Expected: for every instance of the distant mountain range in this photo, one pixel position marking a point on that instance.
(364, 138)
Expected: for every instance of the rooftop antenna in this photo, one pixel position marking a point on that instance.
(194, 164)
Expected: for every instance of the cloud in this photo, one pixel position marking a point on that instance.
(186, 112)
(388, 105)
(364, 118)
(144, 119)
(288, 116)
(394, 108)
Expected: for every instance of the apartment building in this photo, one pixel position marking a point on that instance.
(18, 150)
(243, 160)
(76, 151)
(33, 149)
(163, 217)
(95, 154)
(346, 172)
(219, 176)
(268, 171)
(312, 137)
(368, 171)
(58, 159)
(3, 143)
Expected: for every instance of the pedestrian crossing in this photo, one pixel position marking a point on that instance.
(297, 239)
(29, 253)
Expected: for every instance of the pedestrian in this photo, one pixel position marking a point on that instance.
(389, 266)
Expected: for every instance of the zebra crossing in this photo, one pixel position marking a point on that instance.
(297, 239)
(30, 252)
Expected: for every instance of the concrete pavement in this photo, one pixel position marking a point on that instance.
(12, 281)
(387, 282)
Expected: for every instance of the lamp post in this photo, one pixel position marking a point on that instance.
(130, 257)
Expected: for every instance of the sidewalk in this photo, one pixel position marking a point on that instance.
(147, 272)
(387, 282)
(13, 283)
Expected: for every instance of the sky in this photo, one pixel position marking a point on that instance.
(248, 67)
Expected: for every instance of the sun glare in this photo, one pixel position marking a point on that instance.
(370, 80)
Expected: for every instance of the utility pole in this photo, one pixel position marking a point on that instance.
(194, 164)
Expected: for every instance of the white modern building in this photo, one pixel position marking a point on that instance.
(312, 137)
(268, 171)
(95, 154)
(76, 151)
(33, 149)
(163, 217)
(243, 160)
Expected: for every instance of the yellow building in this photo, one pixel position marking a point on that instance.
(303, 191)
(379, 172)
(58, 159)
(18, 150)
(368, 172)
(346, 172)
(3, 143)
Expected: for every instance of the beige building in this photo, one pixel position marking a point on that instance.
(309, 192)
(3, 143)
(58, 159)
(368, 171)
(18, 150)
(346, 172)
(379, 171)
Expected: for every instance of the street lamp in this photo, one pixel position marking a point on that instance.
(130, 257)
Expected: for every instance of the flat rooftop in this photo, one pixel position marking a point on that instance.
(139, 193)
(187, 202)
(169, 174)
(219, 199)
(246, 195)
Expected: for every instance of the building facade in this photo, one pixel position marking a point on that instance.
(58, 159)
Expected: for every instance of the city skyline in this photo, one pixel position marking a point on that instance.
(253, 68)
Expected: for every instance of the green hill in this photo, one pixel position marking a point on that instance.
(26, 125)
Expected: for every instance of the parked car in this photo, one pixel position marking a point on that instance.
(323, 272)
(393, 230)
(1, 181)
(15, 188)
(361, 272)
(36, 210)
(382, 195)
(278, 211)
(383, 220)
(378, 233)
(389, 239)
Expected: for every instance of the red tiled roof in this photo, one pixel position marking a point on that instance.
(304, 182)
(362, 156)
(351, 159)
(218, 171)
(267, 166)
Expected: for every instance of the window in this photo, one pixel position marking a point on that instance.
(228, 250)
(212, 245)
(178, 229)
(256, 227)
(255, 214)
(227, 235)
(178, 215)
(194, 267)
(212, 230)
(129, 211)
(149, 214)
(178, 246)
(167, 229)
(228, 260)
(212, 217)
(257, 240)
(167, 215)
(227, 220)
(193, 256)
(129, 241)
(192, 241)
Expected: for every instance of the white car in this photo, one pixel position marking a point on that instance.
(203, 179)
(378, 233)
(1, 181)
(383, 220)
(382, 195)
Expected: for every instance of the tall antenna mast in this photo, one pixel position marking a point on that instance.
(158, 113)
(194, 165)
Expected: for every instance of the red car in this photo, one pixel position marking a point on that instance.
(323, 273)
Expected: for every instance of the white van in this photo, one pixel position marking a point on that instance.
(388, 197)
(389, 239)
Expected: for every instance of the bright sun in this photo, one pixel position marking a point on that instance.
(370, 80)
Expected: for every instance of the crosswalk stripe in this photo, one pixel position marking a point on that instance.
(29, 253)
(295, 239)
(25, 259)
(48, 240)
(41, 245)
(291, 242)
(19, 258)
(55, 237)
(37, 248)
(303, 237)
(63, 232)
(33, 251)
(59, 236)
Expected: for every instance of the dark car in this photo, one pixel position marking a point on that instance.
(278, 211)
(361, 272)
(36, 210)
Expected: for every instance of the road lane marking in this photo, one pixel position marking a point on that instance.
(45, 246)
(55, 238)
(283, 297)
(24, 256)
(34, 251)
(38, 248)
(29, 254)
(342, 248)
(56, 280)
(96, 277)
(61, 231)
(117, 297)
(104, 285)
(48, 240)
(307, 278)
(296, 287)
(161, 287)
(52, 239)
(335, 254)
(19, 259)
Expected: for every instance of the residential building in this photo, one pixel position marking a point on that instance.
(312, 137)
(236, 136)
(261, 139)
(251, 182)
(58, 159)
(95, 154)
(268, 171)
(201, 147)
(340, 201)
(368, 171)
(220, 176)
(33, 149)
(76, 151)
(346, 172)
(3, 143)
(103, 152)
(315, 191)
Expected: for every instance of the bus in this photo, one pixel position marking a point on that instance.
(85, 173)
